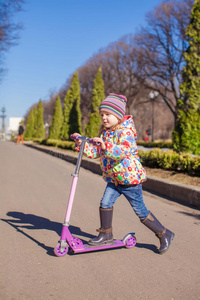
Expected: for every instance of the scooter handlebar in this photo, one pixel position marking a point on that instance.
(75, 138)
(89, 140)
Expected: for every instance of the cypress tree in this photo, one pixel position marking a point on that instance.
(35, 114)
(92, 128)
(57, 120)
(72, 112)
(67, 106)
(29, 132)
(186, 136)
(40, 131)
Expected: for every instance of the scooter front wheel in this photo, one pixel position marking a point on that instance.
(129, 241)
(60, 252)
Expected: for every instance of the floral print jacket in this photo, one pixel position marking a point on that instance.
(120, 162)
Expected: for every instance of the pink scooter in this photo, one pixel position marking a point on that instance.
(67, 241)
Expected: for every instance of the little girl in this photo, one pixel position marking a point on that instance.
(122, 170)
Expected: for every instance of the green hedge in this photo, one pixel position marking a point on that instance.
(171, 160)
(155, 144)
(54, 143)
(156, 158)
(57, 143)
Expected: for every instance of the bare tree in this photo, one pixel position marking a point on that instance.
(135, 65)
(120, 71)
(160, 47)
(8, 29)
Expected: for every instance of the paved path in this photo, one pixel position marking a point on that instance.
(34, 189)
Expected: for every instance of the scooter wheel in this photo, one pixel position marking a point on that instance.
(58, 252)
(130, 241)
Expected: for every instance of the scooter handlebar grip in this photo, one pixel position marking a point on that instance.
(93, 142)
(74, 138)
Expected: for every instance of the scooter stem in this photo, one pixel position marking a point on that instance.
(78, 164)
(73, 186)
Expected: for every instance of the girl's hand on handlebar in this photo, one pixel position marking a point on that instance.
(101, 143)
(75, 136)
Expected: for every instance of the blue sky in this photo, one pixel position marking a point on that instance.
(59, 36)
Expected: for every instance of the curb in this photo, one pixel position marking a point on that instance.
(181, 193)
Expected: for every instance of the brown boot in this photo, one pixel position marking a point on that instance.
(105, 231)
(165, 236)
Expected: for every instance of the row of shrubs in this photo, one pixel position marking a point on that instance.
(156, 158)
(55, 143)
(171, 160)
(156, 144)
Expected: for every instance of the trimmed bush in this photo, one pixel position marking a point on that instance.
(171, 160)
(156, 158)
(58, 143)
(155, 144)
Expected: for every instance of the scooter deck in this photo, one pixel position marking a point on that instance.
(90, 248)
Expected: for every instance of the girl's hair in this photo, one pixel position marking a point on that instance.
(101, 128)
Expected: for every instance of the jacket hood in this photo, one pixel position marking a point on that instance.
(128, 123)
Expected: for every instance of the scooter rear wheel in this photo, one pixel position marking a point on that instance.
(58, 252)
(130, 241)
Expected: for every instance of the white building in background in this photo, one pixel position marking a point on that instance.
(13, 125)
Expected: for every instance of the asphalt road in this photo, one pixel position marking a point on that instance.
(34, 190)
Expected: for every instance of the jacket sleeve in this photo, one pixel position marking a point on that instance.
(90, 151)
(121, 148)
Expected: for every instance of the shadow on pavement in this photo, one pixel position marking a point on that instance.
(21, 220)
(151, 247)
(196, 216)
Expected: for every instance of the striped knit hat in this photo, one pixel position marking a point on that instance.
(114, 104)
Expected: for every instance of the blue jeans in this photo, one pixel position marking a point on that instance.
(133, 194)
